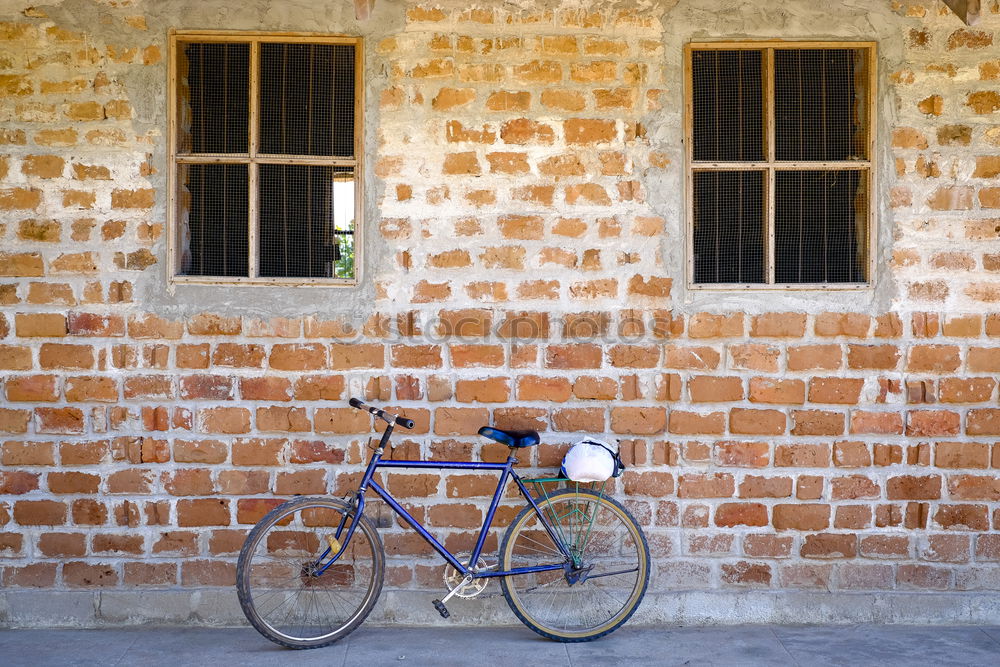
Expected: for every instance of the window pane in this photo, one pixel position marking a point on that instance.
(306, 221)
(821, 226)
(729, 227)
(213, 81)
(820, 104)
(307, 99)
(728, 119)
(212, 215)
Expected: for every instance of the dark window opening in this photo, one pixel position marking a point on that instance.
(265, 159)
(780, 162)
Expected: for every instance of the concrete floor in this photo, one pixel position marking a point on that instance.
(739, 645)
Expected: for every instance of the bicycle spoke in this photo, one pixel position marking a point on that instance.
(280, 588)
(610, 555)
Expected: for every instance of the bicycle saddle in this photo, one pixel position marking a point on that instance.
(520, 438)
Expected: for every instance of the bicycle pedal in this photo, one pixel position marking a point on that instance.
(441, 608)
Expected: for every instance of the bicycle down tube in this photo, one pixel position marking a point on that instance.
(506, 469)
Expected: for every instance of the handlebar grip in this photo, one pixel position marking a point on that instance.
(403, 421)
(357, 403)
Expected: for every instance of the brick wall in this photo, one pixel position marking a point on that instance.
(526, 217)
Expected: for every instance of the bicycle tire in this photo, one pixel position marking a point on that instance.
(274, 549)
(615, 528)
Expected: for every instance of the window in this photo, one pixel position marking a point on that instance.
(779, 142)
(265, 164)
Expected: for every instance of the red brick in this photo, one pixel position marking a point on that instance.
(224, 420)
(966, 390)
(829, 545)
(742, 454)
(728, 515)
(693, 423)
(536, 388)
(207, 387)
(801, 517)
(962, 455)
(973, 487)
(933, 359)
(878, 423)
(73, 482)
(755, 357)
(767, 546)
(297, 356)
(932, 423)
(757, 422)
(17, 482)
(266, 389)
(963, 517)
(39, 512)
(773, 390)
(573, 356)
(814, 357)
(745, 573)
(59, 420)
(802, 456)
(817, 422)
(717, 485)
(983, 421)
(491, 390)
(203, 512)
(648, 483)
(835, 390)
(579, 420)
(911, 487)
(873, 357)
(78, 574)
(32, 388)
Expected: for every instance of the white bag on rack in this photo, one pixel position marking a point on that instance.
(591, 460)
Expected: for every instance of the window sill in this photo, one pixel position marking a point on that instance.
(265, 282)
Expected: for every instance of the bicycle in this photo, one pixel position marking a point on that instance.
(573, 564)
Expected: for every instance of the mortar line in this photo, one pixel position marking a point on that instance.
(782, 645)
(989, 636)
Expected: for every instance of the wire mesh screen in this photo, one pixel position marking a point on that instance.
(307, 99)
(729, 227)
(727, 98)
(213, 112)
(819, 101)
(306, 221)
(821, 226)
(213, 200)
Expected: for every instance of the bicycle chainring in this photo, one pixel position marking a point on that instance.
(453, 578)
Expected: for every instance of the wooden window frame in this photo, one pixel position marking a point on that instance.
(770, 165)
(253, 158)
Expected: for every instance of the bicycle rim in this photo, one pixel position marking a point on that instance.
(609, 552)
(283, 588)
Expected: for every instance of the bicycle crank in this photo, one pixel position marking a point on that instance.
(461, 586)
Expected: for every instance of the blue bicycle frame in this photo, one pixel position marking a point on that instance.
(506, 471)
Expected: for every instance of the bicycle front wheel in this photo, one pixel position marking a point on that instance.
(286, 591)
(598, 588)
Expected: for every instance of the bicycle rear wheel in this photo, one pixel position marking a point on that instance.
(598, 589)
(283, 588)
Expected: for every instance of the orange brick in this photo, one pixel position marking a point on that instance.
(713, 389)
(40, 325)
(772, 390)
(638, 420)
(693, 423)
(835, 390)
(757, 422)
(459, 421)
(778, 325)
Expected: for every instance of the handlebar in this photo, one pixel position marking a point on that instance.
(381, 414)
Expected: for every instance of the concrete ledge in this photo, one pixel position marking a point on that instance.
(220, 608)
